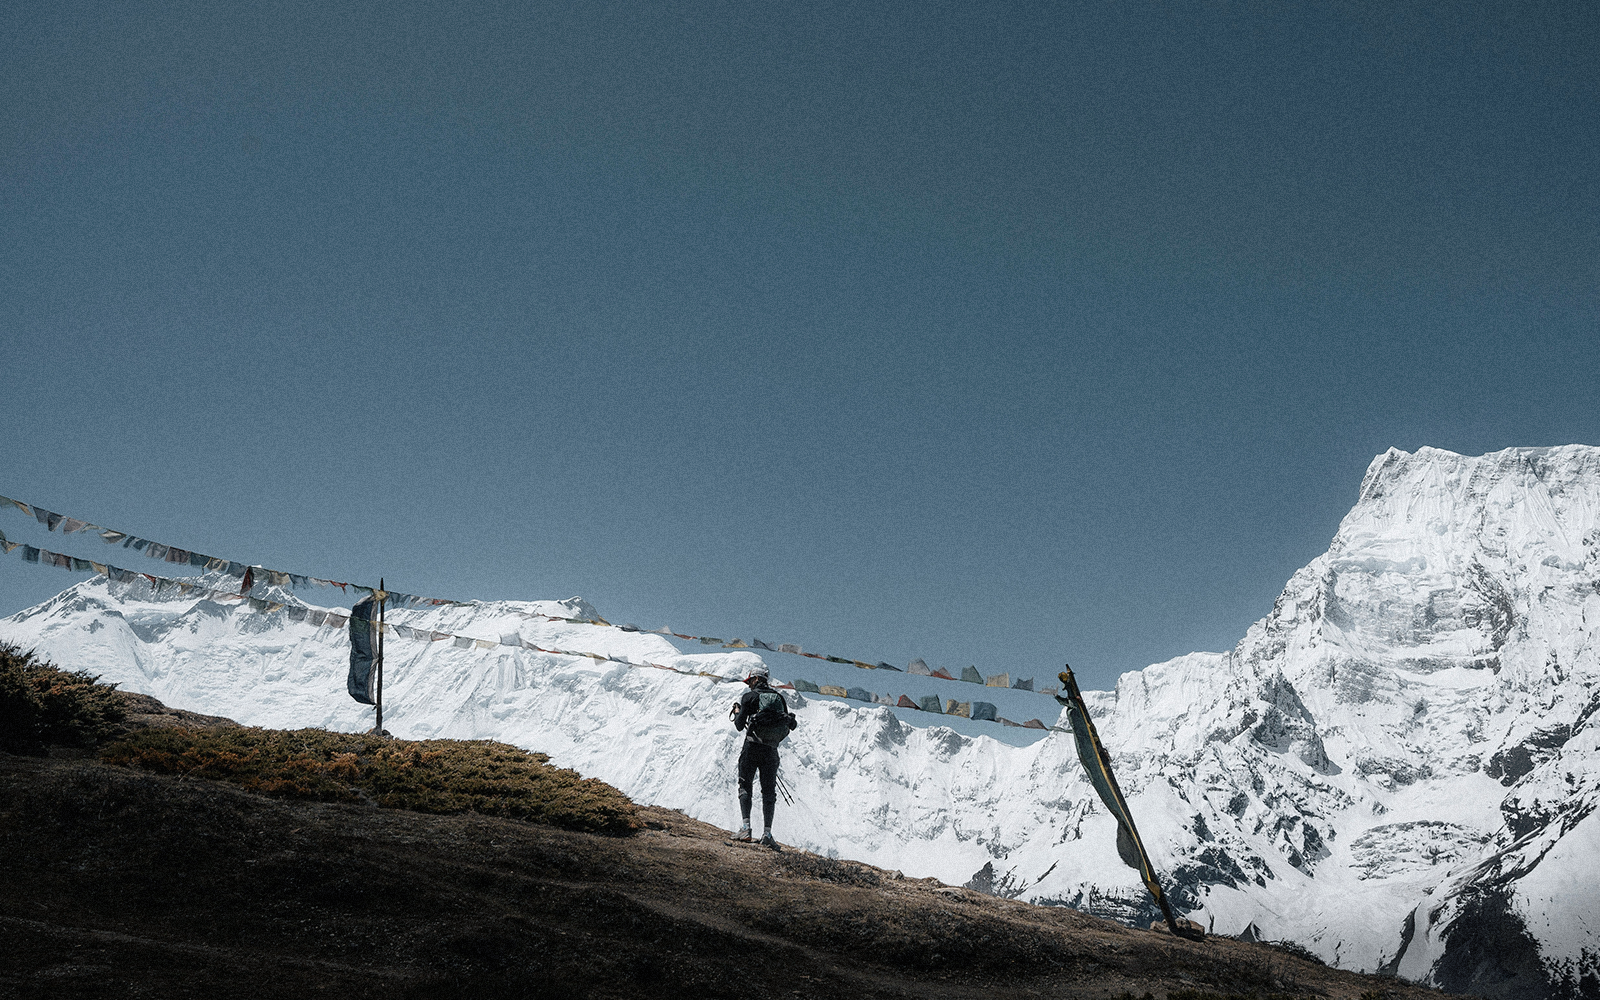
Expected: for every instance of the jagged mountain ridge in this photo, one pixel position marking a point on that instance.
(1395, 768)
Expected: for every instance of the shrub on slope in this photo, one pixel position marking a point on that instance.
(41, 704)
(433, 776)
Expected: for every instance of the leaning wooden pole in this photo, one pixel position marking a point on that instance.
(1097, 765)
(379, 665)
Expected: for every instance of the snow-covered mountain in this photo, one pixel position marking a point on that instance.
(1397, 768)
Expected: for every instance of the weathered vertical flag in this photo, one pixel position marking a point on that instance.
(363, 646)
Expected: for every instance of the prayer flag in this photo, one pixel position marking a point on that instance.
(758, 644)
(961, 708)
(941, 672)
(838, 659)
(297, 614)
(72, 524)
(706, 641)
(112, 537)
(199, 561)
(917, 667)
(998, 681)
(887, 666)
(249, 580)
(736, 644)
(82, 565)
(832, 689)
(930, 703)
(861, 665)
(177, 556)
(971, 675)
(102, 569)
(905, 702)
(484, 644)
(155, 550)
(788, 647)
(440, 636)
(984, 711)
(318, 618)
(363, 651)
(18, 504)
(47, 518)
(1022, 685)
(337, 620)
(801, 684)
(462, 642)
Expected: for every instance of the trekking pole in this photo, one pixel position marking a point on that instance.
(784, 790)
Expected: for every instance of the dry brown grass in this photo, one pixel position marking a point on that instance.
(431, 776)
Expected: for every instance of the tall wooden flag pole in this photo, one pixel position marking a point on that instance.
(1097, 765)
(384, 596)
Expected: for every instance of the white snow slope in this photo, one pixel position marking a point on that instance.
(1397, 768)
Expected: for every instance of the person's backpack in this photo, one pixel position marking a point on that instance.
(771, 723)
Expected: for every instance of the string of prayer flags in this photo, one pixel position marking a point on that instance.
(186, 557)
(249, 576)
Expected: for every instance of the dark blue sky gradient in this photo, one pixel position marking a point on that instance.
(1003, 336)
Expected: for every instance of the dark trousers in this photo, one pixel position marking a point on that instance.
(756, 756)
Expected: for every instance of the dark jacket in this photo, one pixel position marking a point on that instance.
(749, 702)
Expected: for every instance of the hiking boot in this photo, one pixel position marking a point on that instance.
(768, 841)
(743, 836)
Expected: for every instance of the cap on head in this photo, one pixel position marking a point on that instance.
(759, 670)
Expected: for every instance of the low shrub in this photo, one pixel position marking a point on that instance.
(42, 705)
(432, 776)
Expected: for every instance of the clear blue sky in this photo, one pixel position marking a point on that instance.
(1002, 335)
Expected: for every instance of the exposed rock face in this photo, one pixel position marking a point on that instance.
(1397, 768)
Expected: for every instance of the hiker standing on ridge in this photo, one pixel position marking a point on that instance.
(764, 717)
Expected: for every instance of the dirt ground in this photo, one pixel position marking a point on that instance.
(117, 883)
